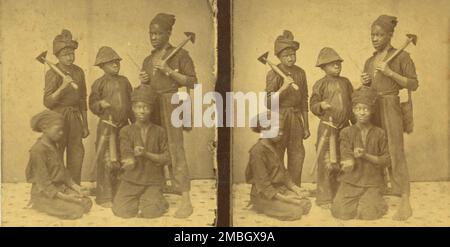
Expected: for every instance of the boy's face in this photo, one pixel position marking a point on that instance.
(112, 67)
(54, 132)
(287, 57)
(362, 113)
(380, 38)
(333, 68)
(142, 111)
(66, 56)
(158, 36)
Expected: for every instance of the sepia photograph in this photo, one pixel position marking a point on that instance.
(360, 90)
(88, 91)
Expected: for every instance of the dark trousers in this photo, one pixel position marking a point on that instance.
(327, 184)
(132, 198)
(364, 203)
(279, 209)
(179, 166)
(388, 116)
(107, 172)
(292, 142)
(72, 143)
(61, 208)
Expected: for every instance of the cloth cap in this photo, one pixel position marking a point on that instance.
(164, 20)
(106, 54)
(286, 40)
(364, 95)
(327, 55)
(386, 22)
(64, 40)
(144, 93)
(45, 119)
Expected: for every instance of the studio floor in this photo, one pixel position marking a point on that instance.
(430, 202)
(15, 197)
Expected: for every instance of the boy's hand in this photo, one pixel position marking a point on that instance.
(127, 164)
(67, 80)
(139, 151)
(358, 152)
(384, 68)
(143, 77)
(161, 65)
(300, 193)
(347, 165)
(365, 79)
(104, 104)
(325, 105)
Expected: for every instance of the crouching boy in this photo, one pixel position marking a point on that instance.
(53, 190)
(273, 191)
(364, 155)
(144, 152)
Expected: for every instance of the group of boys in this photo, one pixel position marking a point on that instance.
(132, 150)
(352, 153)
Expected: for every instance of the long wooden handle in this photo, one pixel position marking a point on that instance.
(59, 72)
(281, 73)
(398, 51)
(175, 50)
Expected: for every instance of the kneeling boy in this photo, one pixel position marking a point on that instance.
(144, 152)
(364, 154)
(53, 190)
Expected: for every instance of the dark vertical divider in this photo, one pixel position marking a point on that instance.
(223, 85)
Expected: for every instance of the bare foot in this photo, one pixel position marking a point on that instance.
(404, 211)
(185, 210)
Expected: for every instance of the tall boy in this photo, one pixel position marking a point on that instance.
(364, 155)
(110, 100)
(331, 99)
(68, 101)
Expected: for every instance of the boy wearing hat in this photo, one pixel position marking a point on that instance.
(293, 104)
(166, 78)
(110, 100)
(388, 80)
(144, 152)
(69, 102)
(53, 190)
(330, 99)
(364, 155)
(273, 191)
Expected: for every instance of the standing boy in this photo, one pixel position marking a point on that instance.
(68, 101)
(331, 99)
(110, 101)
(293, 104)
(364, 155)
(166, 78)
(53, 190)
(144, 152)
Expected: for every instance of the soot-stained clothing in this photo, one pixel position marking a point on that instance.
(70, 104)
(48, 175)
(292, 103)
(360, 192)
(337, 92)
(116, 90)
(266, 173)
(388, 114)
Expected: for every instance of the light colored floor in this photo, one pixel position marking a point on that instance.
(15, 197)
(430, 202)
